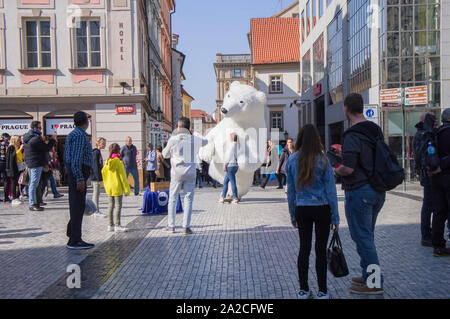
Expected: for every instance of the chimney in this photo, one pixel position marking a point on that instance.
(175, 38)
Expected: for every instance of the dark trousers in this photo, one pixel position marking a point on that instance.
(427, 209)
(5, 180)
(440, 186)
(77, 204)
(151, 177)
(281, 177)
(14, 183)
(306, 217)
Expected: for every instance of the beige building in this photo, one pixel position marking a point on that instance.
(229, 68)
(66, 56)
(202, 122)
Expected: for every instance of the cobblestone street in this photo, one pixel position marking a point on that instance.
(237, 251)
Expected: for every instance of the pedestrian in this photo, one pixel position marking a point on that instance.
(231, 167)
(362, 202)
(271, 163)
(128, 153)
(162, 165)
(78, 162)
(440, 187)
(12, 168)
(96, 176)
(281, 170)
(312, 199)
(425, 180)
(4, 143)
(181, 149)
(198, 171)
(167, 169)
(36, 150)
(152, 165)
(116, 183)
(54, 169)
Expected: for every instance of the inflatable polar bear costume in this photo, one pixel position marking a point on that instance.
(243, 109)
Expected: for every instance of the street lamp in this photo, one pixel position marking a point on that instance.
(286, 135)
(296, 102)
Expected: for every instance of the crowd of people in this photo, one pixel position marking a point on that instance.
(309, 176)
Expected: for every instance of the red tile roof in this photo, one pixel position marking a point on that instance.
(275, 40)
(201, 114)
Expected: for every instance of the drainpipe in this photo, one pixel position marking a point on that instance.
(171, 63)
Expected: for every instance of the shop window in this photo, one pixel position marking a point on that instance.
(276, 84)
(276, 120)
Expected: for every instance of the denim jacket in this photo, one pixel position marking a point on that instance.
(321, 192)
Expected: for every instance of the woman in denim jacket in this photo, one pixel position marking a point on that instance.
(312, 201)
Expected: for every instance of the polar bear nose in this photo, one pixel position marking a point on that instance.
(224, 110)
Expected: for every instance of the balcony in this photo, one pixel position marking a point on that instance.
(233, 58)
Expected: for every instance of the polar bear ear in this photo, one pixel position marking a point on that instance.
(235, 84)
(261, 97)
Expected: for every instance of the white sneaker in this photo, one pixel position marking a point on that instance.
(304, 294)
(221, 200)
(99, 214)
(16, 202)
(110, 228)
(321, 295)
(235, 201)
(120, 229)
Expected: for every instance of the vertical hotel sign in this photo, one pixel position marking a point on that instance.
(121, 39)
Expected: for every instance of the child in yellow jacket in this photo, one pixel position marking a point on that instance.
(115, 183)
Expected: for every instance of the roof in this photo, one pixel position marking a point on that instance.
(201, 114)
(279, 14)
(183, 91)
(275, 40)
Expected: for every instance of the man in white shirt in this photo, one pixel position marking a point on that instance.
(182, 148)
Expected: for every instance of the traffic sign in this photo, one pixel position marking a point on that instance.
(371, 113)
(416, 95)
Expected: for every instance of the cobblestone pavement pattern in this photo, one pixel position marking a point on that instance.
(247, 250)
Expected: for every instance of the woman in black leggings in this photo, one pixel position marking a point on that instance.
(312, 201)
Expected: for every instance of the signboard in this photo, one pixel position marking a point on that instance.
(15, 126)
(371, 112)
(164, 137)
(391, 96)
(155, 127)
(125, 109)
(317, 89)
(62, 126)
(416, 95)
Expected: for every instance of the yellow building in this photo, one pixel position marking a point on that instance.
(187, 100)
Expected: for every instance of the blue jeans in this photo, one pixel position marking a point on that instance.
(427, 209)
(362, 206)
(230, 177)
(135, 173)
(53, 185)
(175, 188)
(35, 176)
(198, 178)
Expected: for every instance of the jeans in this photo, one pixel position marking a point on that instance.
(115, 203)
(320, 218)
(96, 193)
(440, 186)
(77, 205)
(175, 187)
(198, 178)
(53, 185)
(35, 177)
(135, 173)
(427, 209)
(362, 206)
(230, 177)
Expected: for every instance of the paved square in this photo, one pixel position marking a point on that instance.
(247, 250)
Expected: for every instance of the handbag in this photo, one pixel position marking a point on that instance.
(335, 257)
(21, 166)
(24, 178)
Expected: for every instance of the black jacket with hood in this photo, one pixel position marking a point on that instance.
(36, 149)
(12, 170)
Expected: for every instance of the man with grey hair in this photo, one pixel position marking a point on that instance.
(128, 153)
(440, 186)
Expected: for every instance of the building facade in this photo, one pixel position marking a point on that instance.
(365, 46)
(274, 47)
(178, 77)
(94, 59)
(202, 122)
(167, 9)
(229, 68)
(187, 100)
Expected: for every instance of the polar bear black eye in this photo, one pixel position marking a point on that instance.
(242, 102)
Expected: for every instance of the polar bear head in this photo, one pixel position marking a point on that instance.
(243, 102)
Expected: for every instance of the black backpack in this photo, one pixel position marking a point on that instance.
(387, 173)
(426, 162)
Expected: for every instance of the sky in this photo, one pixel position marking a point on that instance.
(208, 27)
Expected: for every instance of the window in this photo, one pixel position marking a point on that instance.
(276, 84)
(308, 16)
(320, 8)
(306, 75)
(276, 120)
(314, 13)
(318, 59)
(237, 73)
(38, 47)
(2, 41)
(88, 48)
(303, 26)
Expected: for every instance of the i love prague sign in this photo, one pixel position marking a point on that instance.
(61, 126)
(155, 127)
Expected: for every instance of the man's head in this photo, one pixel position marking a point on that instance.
(150, 146)
(81, 120)
(353, 105)
(424, 114)
(129, 141)
(36, 125)
(184, 124)
(289, 142)
(6, 136)
(446, 116)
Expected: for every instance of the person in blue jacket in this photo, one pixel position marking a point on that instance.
(312, 199)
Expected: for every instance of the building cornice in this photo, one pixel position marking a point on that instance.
(88, 99)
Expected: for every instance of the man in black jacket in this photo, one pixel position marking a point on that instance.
(440, 186)
(35, 158)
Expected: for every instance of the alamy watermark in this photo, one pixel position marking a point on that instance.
(74, 279)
